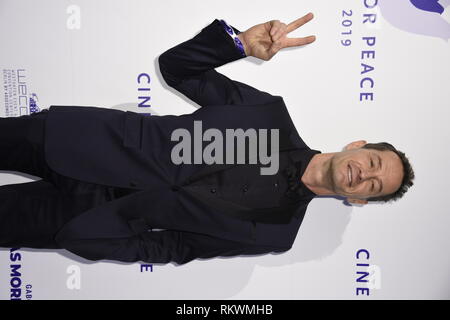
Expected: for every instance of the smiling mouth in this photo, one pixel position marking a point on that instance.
(349, 175)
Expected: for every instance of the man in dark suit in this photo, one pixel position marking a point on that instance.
(110, 189)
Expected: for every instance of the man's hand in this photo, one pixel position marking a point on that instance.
(264, 40)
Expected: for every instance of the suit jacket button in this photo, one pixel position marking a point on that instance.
(213, 190)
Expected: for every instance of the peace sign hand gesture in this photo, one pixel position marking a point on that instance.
(264, 40)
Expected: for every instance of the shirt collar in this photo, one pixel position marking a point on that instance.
(301, 159)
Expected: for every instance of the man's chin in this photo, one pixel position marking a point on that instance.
(343, 192)
(339, 188)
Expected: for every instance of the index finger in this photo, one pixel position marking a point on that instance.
(299, 22)
(297, 42)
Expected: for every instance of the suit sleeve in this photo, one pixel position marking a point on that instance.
(164, 247)
(189, 68)
(183, 247)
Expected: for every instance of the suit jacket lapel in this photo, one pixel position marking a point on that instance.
(285, 144)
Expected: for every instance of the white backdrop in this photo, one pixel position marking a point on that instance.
(90, 53)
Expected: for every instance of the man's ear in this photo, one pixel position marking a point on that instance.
(355, 144)
(357, 201)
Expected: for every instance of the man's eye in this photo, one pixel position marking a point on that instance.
(371, 163)
(373, 186)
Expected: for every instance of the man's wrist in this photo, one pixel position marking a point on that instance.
(241, 38)
(234, 34)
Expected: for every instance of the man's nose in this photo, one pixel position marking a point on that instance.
(365, 173)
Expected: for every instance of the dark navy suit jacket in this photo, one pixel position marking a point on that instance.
(130, 150)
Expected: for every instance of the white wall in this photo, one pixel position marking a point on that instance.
(97, 65)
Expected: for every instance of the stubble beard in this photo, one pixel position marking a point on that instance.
(330, 176)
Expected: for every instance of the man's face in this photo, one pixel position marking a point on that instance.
(358, 173)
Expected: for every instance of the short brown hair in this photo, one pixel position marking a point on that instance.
(408, 172)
